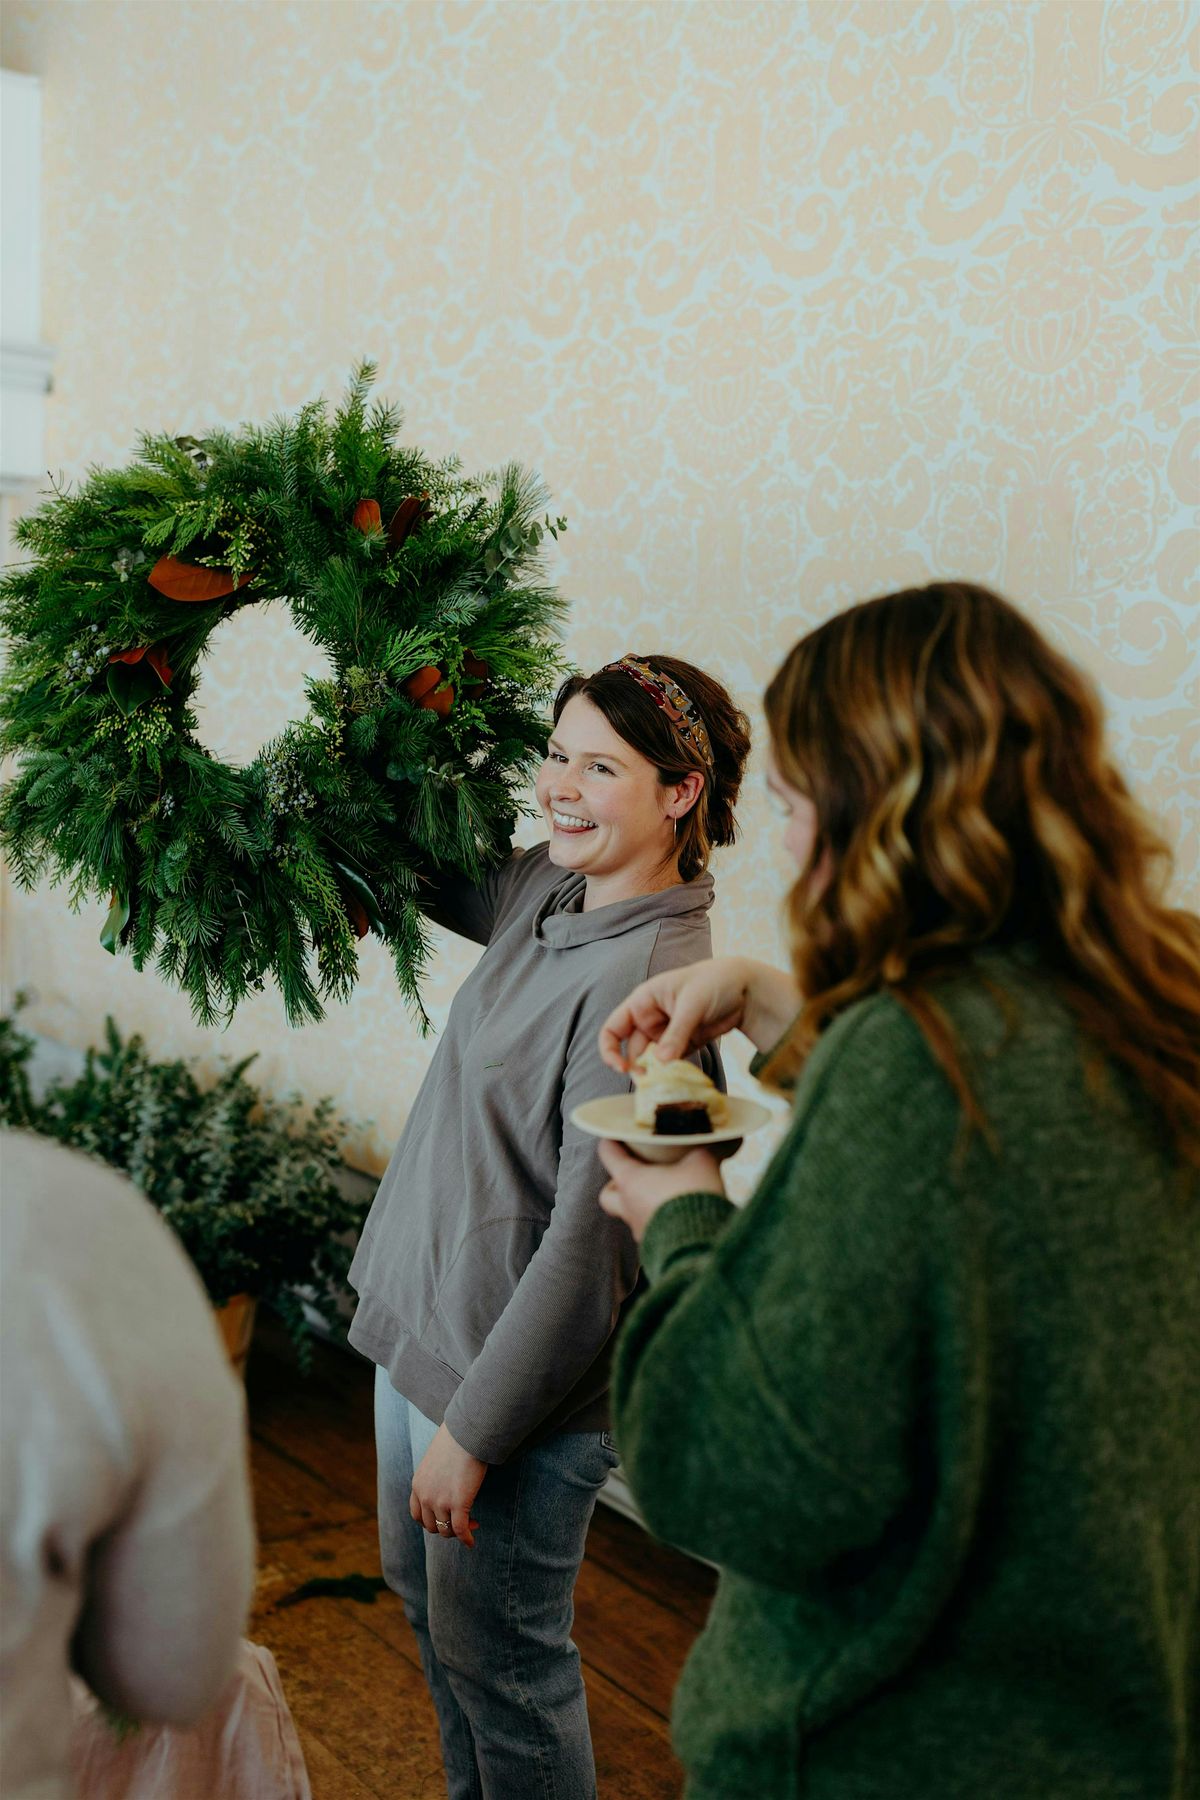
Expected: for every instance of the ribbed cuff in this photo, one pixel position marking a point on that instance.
(688, 1222)
(486, 1448)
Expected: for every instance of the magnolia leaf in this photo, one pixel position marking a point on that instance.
(477, 670)
(114, 924)
(406, 518)
(156, 659)
(132, 687)
(423, 682)
(360, 892)
(187, 581)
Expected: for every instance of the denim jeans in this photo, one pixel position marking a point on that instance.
(494, 1624)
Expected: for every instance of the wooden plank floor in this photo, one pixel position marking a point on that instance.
(351, 1671)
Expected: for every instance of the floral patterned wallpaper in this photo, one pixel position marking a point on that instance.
(789, 302)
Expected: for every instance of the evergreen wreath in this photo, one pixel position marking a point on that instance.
(425, 589)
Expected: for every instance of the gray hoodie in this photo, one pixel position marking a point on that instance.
(489, 1280)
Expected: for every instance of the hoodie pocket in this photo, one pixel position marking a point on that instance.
(477, 1286)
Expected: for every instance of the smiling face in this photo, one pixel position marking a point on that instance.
(609, 816)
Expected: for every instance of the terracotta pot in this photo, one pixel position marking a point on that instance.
(236, 1320)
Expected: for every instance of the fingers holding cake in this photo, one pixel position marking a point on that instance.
(676, 1012)
(638, 1022)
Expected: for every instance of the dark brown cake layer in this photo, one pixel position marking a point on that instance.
(681, 1118)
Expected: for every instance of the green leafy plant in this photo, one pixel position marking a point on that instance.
(426, 590)
(18, 1108)
(249, 1184)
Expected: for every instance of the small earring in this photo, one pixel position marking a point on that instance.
(674, 828)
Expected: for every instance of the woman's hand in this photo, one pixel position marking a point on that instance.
(678, 1010)
(444, 1487)
(681, 1009)
(637, 1189)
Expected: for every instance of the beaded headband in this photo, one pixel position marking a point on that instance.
(671, 699)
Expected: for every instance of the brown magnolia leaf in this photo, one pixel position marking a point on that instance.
(187, 581)
(357, 914)
(156, 659)
(477, 669)
(425, 687)
(406, 518)
(156, 656)
(439, 701)
(423, 682)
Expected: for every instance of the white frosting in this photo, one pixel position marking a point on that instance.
(658, 1084)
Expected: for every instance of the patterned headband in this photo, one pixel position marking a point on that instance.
(670, 698)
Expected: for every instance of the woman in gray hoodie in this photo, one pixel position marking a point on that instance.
(490, 1283)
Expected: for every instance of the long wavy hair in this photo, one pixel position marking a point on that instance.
(964, 796)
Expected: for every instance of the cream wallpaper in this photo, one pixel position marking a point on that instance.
(788, 302)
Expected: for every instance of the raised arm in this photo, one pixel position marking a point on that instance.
(464, 906)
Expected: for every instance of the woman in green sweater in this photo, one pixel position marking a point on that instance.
(932, 1399)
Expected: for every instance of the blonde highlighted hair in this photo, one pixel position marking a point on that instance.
(964, 796)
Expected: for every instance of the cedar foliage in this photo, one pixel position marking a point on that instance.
(224, 876)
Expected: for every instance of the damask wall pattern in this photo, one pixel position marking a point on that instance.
(789, 303)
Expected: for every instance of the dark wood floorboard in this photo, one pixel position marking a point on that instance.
(351, 1670)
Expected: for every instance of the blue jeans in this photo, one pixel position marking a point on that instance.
(494, 1624)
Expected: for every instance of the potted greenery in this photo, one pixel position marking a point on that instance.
(251, 1185)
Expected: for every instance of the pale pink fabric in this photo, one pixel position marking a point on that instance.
(245, 1748)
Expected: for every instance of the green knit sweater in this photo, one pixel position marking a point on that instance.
(934, 1408)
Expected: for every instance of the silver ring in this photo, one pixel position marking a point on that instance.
(442, 1524)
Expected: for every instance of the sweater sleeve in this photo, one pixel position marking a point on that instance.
(565, 1305)
(464, 906)
(766, 1387)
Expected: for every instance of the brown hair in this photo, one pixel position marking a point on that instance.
(964, 795)
(633, 715)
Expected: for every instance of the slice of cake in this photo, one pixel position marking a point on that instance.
(675, 1099)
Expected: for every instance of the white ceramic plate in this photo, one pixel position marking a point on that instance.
(613, 1118)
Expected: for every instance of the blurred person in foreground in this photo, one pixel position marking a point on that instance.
(126, 1543)
(932, 1400)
